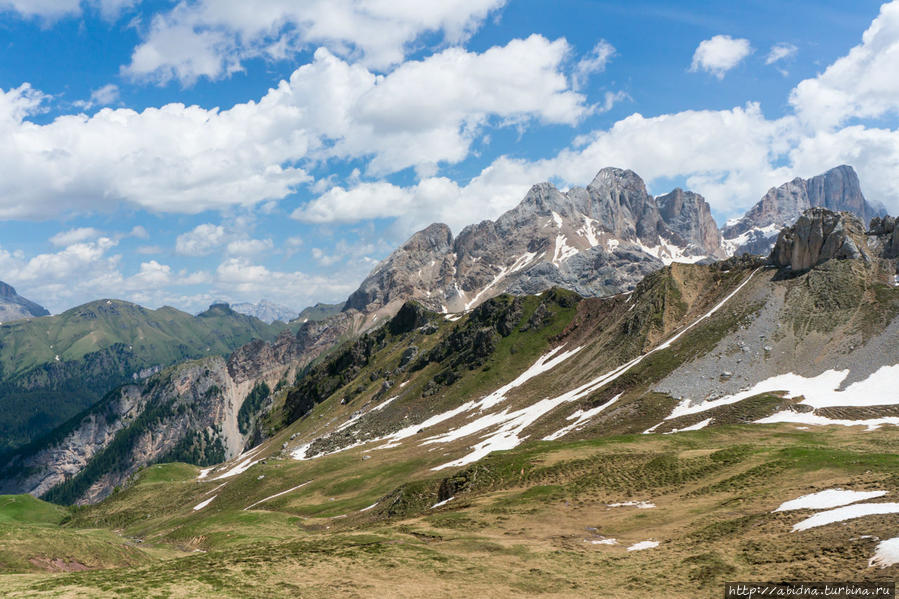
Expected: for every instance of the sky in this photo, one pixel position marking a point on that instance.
(181, 152)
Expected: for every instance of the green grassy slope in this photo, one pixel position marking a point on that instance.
(99, 345)
(520, 523)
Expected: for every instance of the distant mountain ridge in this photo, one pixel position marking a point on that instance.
(53, 367)
(15, 307)
(837, 189)
(266, 311)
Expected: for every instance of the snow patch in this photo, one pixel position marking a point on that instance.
(820, 392)
(640, 505)
(829, 498)
(371, 507)
(692, 427)
(668, 252)
(849, 512)
(252, 505)
(609, 541)
(886, 554)
(733, 244)
(204, 473)
(563, 251)
(642, 545)
(444, 502)
(203, 504)
(242, 466)
(557, 220)
(580, 418)
(809, 418)
(589, 231)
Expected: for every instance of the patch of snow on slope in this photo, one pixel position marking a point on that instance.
(557, 220)
(444, 502)
(642, 545)
(203, 504)
(886, 554)
(667, 252)
(809, 418)
(848, 512)
(733, 244)
(608, 541)
(252, 505)
(640, 505)
(519, 263)
(692, 427)
(829, 498)
(242, 466)
(371, 507)
(361, 414)
(589, 231)
(580, 418)
(820, 392)
(562, 251)
(204, 473)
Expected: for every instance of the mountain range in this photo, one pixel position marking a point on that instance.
(265, 311)
(53, 367)
(722, 420)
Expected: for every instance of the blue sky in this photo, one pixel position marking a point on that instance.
(179, 152)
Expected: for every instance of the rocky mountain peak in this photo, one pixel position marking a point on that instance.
(838, 189)
(617, 178)
(15, 307)
(820, 235)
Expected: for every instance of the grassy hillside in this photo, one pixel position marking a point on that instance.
(537, 520)
(53, 367)
(318, 312)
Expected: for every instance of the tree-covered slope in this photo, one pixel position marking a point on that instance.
(53, 367)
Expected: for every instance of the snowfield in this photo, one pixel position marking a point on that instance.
(849, 512)
(887, 553)
(829, 498)
(204, 503)
(822, 391)
(642, 545)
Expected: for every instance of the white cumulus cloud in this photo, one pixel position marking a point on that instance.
(186, 159)
(862, 84)
(212, 38)
(720, 54)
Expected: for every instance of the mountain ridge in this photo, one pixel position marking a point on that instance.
(15, 307)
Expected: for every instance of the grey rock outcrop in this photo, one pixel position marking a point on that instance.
(820, 235)
(883, 235)
(15, 307)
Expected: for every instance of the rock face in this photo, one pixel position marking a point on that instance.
(15, 307)
(820, 235)
(883, 235)
(596, 240)
(689, 215)
(838, 189)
